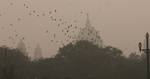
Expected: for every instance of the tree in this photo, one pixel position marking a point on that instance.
(84, 60)
(12, 61)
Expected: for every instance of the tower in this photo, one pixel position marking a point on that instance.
(38, 53)
(22, 47)
(89, 33)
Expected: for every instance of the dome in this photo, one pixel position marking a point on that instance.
(89, 33)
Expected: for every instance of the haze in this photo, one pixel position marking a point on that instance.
(121, 23)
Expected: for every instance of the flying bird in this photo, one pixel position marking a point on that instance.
(47, 31)
(140, 46)
(54, 35)
(16, 35)
(50, 12)
(11, 3)
(60, 19)
(23, 38)
(19, 19)
(34, 11)
(55, 10)
(51, 40)
(11, 24)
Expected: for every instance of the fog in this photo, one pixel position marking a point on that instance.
(121, 23)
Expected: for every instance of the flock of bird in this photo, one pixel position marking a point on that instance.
(66, 28)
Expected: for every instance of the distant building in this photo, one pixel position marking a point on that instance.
(90, 34)
(22, 47)
(38, 53)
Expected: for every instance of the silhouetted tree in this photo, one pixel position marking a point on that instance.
(80, 60)
(11, 63)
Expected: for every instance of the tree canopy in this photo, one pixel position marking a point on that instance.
(80, 60)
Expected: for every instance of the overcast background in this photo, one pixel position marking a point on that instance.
(121, 23)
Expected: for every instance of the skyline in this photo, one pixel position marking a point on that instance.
(121, 23)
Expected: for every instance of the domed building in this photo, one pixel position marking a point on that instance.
(89, 33)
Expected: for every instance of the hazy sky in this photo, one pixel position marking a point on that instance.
(122, 23)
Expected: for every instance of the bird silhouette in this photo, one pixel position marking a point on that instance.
(11, 24)
(11, 3)
(19, 19)
(46, 31)
(55, 10)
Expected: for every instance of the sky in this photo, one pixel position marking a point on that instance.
(121, 23)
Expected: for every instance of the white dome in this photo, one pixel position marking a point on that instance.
(90, 34)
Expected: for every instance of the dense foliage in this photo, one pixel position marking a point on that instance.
(81, 60)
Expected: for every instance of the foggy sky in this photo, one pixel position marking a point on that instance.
(121, 23)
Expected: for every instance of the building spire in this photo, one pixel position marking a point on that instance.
(22, 47)
(88, 24)
(38, 53)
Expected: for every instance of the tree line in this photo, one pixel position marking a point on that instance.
(80, 60)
